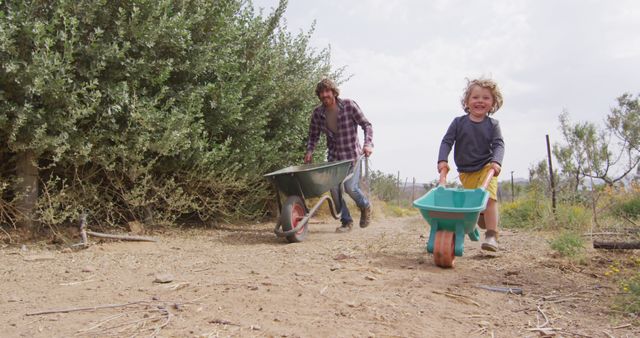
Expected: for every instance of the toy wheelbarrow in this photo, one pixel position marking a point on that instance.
(305, 181)
(452, 213)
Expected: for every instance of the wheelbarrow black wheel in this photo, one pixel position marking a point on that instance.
(292, 213)
(444, 249)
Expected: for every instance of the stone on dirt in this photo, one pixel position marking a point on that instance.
(164, 278)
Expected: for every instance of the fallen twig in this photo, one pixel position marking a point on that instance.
(122, 237)
(549, 331)
(116, 316)
(630, 221)
(84, 232)
(515, 291)
(78, 309)
(78, 282)
(620, 326)
(563, 300)
(546, 319)
(464, 299)
(577, 334)
(6, 233)
(168, 315)
(223, 322)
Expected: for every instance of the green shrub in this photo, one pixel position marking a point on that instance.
(572, 217)
(150, 109)
(629, 208)
(521, 214)
(398, 211)
(631, 294)
(568, 244)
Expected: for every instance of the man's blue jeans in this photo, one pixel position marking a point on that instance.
(352, 187)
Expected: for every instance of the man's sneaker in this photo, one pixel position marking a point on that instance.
(490, 244)
(345, 227)
(365, 216)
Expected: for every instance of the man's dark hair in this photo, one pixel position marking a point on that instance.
(327, 84)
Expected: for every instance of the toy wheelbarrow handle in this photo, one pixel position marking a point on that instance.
(443, 177)
(487, 180)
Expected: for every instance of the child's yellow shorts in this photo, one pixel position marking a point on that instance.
(475, 179)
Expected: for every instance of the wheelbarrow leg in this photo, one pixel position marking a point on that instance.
(459, 240)
(432, 237)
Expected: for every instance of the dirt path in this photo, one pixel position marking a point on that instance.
(242, 281)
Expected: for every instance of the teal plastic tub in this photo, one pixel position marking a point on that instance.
(455, 210)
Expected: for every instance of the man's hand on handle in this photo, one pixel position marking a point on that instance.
(367, 151)
(308, 157)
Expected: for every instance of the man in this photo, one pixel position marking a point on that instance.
(339, 119)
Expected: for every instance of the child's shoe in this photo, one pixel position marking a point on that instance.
(490, 243)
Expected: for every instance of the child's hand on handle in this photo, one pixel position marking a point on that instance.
(496, 168)
(493, 172)
(443, 169)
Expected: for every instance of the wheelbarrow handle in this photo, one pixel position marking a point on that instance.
(487, 180)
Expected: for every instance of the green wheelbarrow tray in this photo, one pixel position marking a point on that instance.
(453, 209)
(452, 214)
(304, 181)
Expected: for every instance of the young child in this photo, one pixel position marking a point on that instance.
(478, 148)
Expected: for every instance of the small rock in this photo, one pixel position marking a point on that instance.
(302, 274)
(341, 257)
(88, 268)
(136, 227)
(376, 271)
(23, 248)
(369, 278)
(13, 299)
(164, 278)
(336, 267)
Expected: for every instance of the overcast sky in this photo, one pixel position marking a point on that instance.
(409, 60)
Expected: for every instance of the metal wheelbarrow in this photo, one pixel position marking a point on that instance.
(452, 213)
(305, 181)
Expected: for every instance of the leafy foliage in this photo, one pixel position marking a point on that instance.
(608, 154)
(384, 186)
(568, 244)
(152, 109)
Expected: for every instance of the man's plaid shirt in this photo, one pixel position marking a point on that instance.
(344, 144)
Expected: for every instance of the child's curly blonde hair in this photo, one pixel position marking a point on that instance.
(484, 83)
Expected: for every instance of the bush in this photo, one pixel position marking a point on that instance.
(568, 244)
(521, 214)
(573, 217)
(628, 300)
(628, 208)
(149, 109)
